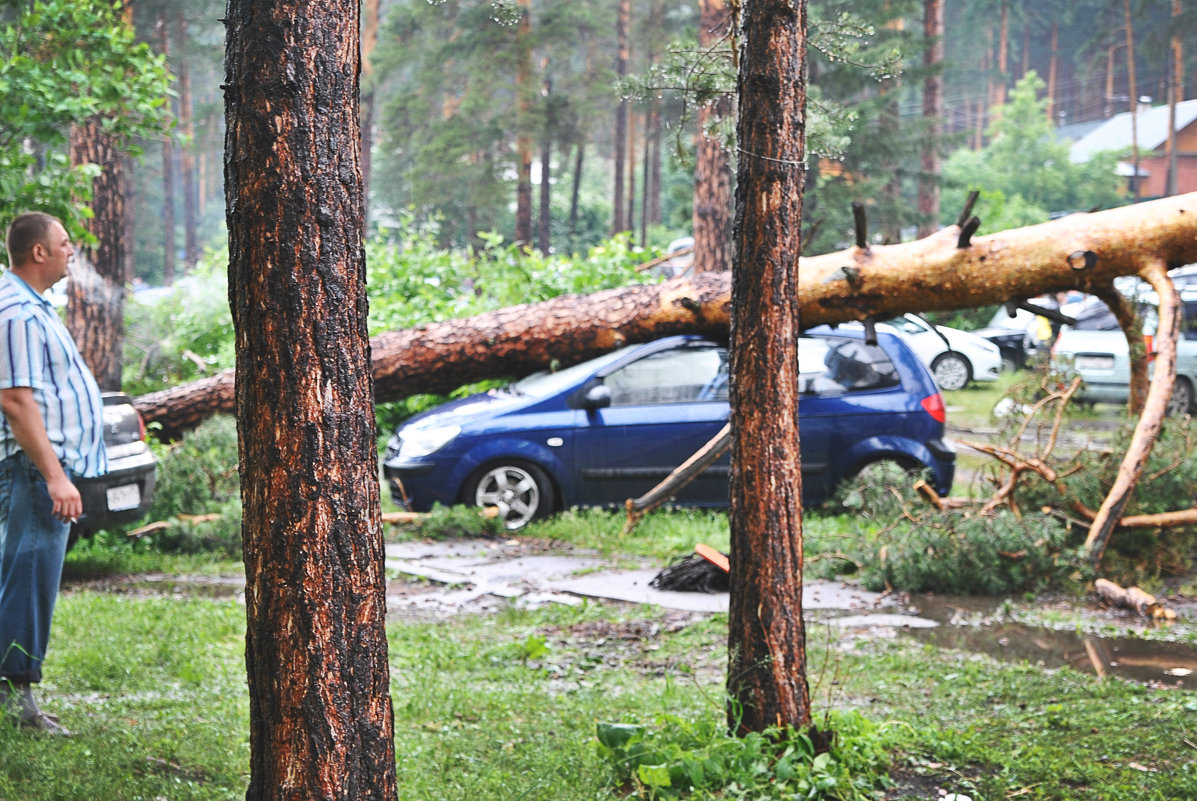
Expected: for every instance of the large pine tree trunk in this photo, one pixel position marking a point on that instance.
(96, 293)
(712, 213)
(187, 151)
(619, 165)
(1052, 66)
(168, 176)
(576, 190)
(524, 91)
(321, 722)
(766, 679)
(932, 274)
(932, 116)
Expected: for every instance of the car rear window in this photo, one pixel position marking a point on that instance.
(836, 365)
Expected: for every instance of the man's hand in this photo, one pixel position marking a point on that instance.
(25, 418)
(68, 504)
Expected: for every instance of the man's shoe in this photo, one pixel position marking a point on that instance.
(43, 723)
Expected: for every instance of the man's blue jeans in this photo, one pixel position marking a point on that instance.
(32, 546)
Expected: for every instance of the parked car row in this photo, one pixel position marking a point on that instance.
(1096, 349)
(611, 428)
(955, 357)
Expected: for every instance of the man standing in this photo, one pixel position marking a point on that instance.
(51, 431)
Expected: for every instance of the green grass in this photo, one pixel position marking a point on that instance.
(505, 706)
(153, 690)
(109, 554)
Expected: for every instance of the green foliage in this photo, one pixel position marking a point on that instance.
(1025, 172)
(457, 522)
(198, 476)
(902, 545)
(412, 280)
(67, 61)
(183, 335)
(697, 758)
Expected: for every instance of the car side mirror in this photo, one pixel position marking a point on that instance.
(597, 397)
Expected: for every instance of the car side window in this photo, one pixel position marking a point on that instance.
(1188, 323)
(838, 365)
(682, 375)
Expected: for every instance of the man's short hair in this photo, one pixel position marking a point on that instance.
(27, 230)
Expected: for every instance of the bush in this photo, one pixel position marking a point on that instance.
(198, 476)
(900, 543)
(697, 758)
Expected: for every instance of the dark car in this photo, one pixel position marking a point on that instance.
(611, 428)
(1012, 342)
(123, 495)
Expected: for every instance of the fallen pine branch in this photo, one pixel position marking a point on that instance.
(163, 525)
(1132, 598)
(410, 518)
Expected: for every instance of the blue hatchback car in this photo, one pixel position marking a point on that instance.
(611, 428)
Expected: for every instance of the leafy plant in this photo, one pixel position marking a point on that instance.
(68, 61)
(197, 476)
(456, 522)
(698, 758)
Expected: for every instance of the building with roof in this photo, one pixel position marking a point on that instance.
(1152, 133)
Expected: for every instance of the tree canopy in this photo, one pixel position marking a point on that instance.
(67, 61)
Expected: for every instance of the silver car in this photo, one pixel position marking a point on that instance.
(1097, 351)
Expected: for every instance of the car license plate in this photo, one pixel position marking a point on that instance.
(122, 498)
(1095, 362)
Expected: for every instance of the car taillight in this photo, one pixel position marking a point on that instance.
(933, 404)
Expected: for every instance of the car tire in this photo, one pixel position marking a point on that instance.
(521, 491)
(1181, 401)
(952, 371)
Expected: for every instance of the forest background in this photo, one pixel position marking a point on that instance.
(457, 92)
(573, 129)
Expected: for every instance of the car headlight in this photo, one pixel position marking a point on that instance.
(417, 442)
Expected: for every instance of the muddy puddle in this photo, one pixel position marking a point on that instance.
(975, 625)
(437, 580)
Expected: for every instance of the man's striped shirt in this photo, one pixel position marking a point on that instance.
(36, 351)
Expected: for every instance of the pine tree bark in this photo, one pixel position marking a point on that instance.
(928, 198)
(187, 150)
(96, 291)
(619, 161)
(575, 192)
(712, 213)
(523, 124)
(766, 679)
(321, 721)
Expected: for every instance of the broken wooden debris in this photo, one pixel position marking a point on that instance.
(1132, 598)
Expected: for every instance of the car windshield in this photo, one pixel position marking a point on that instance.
(544, 384)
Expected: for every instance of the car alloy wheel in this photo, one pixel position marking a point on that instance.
(520, 491)
(951, 371)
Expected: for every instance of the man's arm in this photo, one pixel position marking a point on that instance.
(30, 432)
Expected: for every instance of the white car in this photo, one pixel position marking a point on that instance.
(954, 357)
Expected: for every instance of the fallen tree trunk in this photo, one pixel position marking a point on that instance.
(948, 270)
(1081, 251)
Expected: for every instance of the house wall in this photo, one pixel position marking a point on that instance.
(1157, 164)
